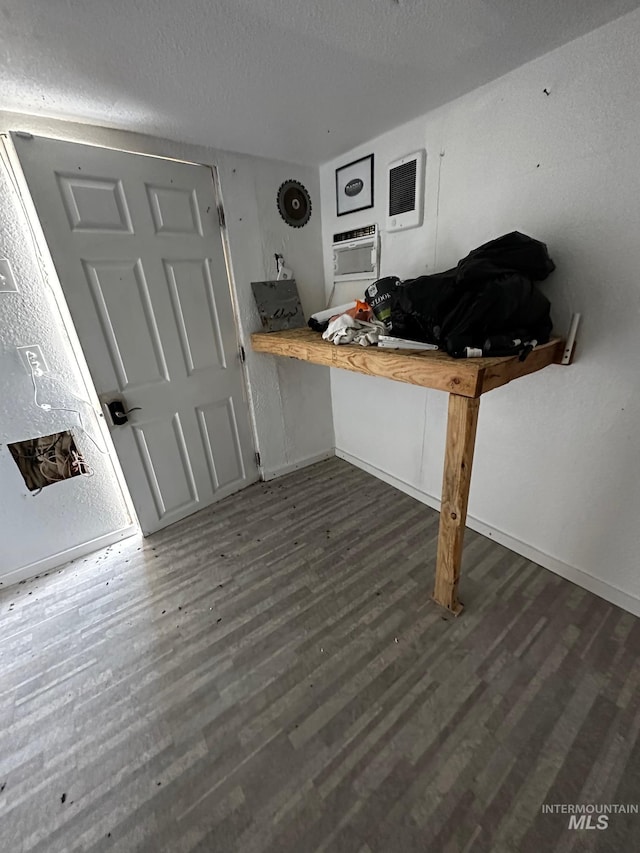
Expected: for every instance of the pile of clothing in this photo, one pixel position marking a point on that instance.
(355, 326)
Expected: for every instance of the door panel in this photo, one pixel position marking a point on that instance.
(219, 431)
(196, 314)
(137, 247)
(92, 204)
(172, 483)
(122, 301)
(174, 211)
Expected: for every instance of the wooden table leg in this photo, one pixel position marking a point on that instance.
(461, 436)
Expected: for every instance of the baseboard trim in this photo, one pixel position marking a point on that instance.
(62, 557)
(281, 470)
(581, 578)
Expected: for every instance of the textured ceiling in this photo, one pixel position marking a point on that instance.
(299, 80)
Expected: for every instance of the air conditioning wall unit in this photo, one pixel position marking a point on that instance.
(356, 254)
(405, 194)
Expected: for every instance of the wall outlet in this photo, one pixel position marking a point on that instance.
(33, 360)
(7, 279)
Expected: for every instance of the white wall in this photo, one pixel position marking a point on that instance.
(291, 400)
(34, 527)
(557, 467)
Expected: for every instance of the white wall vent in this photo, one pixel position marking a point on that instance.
(406, 192)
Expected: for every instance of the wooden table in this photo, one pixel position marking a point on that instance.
(464, 379)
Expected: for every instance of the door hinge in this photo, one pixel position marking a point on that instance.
(258, 459)
(221, 218)
(243, 355)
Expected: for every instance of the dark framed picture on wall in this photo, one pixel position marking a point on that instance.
(354, 186)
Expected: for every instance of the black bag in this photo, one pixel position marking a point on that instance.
(514, 252)
(490, 295)
(421, 305)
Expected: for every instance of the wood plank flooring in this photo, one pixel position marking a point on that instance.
(270, 675)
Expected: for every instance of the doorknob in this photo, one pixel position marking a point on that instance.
(118, 412)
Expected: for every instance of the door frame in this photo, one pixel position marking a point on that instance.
(51, 280)
(235, 304)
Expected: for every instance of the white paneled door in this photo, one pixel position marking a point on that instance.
(137, 246)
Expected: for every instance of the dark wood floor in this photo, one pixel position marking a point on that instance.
(270, 675)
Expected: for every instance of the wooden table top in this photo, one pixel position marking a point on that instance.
(468, 377)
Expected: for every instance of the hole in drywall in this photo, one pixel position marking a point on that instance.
(48, 459)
